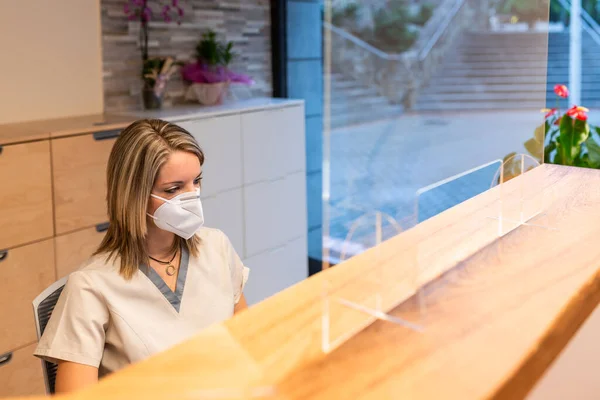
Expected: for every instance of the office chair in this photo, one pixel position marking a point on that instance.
(43, 305)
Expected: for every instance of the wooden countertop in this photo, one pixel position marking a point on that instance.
(61, 127)
(37, 130)
(499, 311)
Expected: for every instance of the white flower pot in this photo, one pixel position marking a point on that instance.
(207, 93)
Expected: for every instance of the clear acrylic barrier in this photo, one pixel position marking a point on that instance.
(524, 200)
(397, 118)
(448, 243)
(379, 280)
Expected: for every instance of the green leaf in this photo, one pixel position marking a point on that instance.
(508, 156)
(565, 139)
(548, 152)
(535, 148)
(558, 158)
(593, 152)
(539, 132)
(581, 130)
(572, 134)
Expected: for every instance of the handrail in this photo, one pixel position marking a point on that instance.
(361, 43)
(590, 25)
(441, 29)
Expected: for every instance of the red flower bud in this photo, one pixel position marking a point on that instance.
(561, 91)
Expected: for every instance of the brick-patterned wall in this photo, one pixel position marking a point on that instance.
(245, 22)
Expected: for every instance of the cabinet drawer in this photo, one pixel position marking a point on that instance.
(21, 374)
(26, 198)
(221, 141)
(273, 143)
(224, 212)
(275, 213)
(79, 169)
(276, 270)
(74, 248)
(26, 272)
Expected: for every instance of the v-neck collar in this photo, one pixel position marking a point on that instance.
(172, 297)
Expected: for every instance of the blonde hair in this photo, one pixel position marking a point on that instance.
(134, 162)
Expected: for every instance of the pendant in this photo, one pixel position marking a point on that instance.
(170, 270)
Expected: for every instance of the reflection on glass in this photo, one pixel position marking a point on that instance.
(417, 92)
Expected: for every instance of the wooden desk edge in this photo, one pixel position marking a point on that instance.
(557, 336)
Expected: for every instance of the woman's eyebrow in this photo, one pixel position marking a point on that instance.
(172, 183)
(179, 182)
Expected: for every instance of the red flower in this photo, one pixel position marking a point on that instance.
(561, 91)
(578, 112)
(549, 112)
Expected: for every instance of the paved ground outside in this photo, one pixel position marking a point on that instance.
(380, 166)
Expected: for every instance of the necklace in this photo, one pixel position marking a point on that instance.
(170, 268)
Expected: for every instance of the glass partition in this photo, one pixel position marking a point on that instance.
(427, 104)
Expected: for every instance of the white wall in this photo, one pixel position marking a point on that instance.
(51, 59)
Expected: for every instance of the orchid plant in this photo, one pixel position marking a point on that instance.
(212, 63)
(566, 138)
(156, 71)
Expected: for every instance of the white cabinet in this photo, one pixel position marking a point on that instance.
(254, 189)
(276, 270)
(220, 140)
(275, 213)
(273, 143)
(225, 212)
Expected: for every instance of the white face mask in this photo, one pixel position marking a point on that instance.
(181, 215)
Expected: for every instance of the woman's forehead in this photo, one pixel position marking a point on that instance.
(180, 166)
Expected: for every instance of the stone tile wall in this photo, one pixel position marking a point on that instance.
(245, 22)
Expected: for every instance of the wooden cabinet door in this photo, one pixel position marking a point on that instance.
(26, 272)
(75, 248)
(79, 170)
(21, 373)
(26, 195)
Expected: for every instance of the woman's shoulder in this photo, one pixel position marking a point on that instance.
(210, 235)
(97, 264)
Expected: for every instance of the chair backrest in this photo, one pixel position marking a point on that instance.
(43, 305)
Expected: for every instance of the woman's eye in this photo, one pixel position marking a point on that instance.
(197, 181)
(171, 190)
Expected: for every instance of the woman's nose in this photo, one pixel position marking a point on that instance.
(189, 187)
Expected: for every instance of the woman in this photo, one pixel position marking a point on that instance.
(158, 276)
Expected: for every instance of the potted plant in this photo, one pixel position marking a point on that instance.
(529, 11)
(156, 71)
(209, 76)
(565, 138)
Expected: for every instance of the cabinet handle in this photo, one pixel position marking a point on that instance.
(102, 227)
(103, 135)
(3, 255)
(5, 358)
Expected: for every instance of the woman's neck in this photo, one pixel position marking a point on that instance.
(159, 242)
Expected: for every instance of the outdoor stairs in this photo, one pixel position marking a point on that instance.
(353, 103)
(506, 71)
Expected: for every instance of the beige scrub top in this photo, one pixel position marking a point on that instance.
(105, 321)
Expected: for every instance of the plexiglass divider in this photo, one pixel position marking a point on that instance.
(465, 93)
(379, 281)
(524, 201)
(450, 242)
